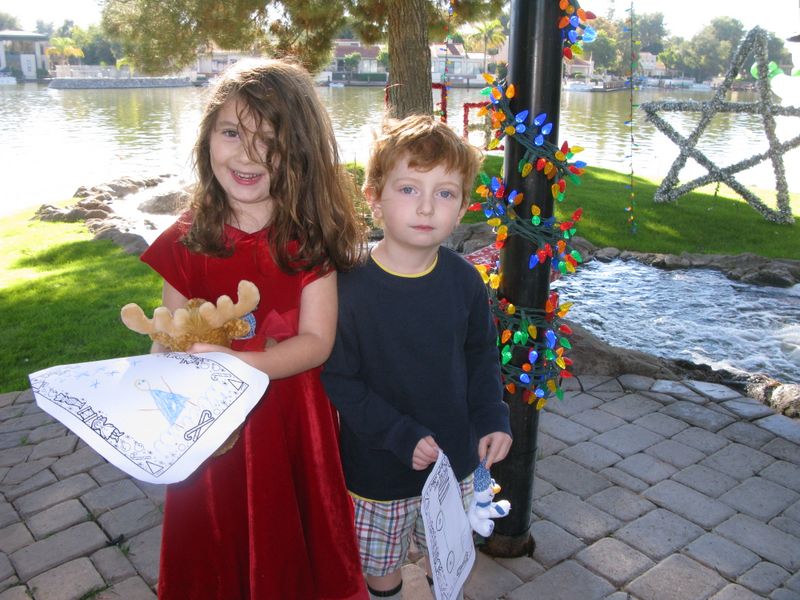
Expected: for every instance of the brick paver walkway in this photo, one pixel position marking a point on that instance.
(645, 490)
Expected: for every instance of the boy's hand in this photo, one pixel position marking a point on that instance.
(493, 447)
(425, 453)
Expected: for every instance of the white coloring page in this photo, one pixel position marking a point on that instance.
(157, 417)
(447, 530)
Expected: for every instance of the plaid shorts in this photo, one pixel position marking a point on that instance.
(385, 528)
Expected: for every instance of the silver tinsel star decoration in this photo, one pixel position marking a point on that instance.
(669, 189)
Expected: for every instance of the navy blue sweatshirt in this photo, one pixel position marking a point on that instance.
(414, 356)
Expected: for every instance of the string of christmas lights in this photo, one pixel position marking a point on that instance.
(630, 27)
(538, 334)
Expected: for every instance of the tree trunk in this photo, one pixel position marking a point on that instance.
(410, 74)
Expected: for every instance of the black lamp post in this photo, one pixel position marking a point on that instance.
(535, 63)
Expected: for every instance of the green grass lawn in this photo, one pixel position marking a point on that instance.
(61, 292)
(698, 222)
(60, 297)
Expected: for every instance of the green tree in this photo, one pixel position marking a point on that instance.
(163, 36)
(407, 27)
(383, 59)
(8, 21)
(63, 48)
(711, 49)
(351, 62)
(490, 35)
(66, 28)
(604, 52)
(651, 32)
(97, 48)
(45, 28)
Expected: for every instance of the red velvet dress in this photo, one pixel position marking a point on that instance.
(271, 518)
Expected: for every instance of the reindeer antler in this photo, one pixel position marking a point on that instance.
(134, 318)
(225, 310)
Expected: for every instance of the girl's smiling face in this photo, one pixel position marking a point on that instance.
(233, 145)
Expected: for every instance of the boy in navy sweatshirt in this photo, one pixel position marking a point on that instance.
(415, 364)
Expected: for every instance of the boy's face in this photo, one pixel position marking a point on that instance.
(419, 209)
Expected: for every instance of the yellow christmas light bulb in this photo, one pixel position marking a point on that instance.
(493, 222)
(560, 155)
(532, 331)
(489, 78)
(494, 281)
(535, 210)
(511, 309)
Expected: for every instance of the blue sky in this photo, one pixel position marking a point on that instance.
(682, 17)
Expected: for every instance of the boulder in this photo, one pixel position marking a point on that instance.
(469, 237)
(785, 399)
(131, 243)
(168, 203)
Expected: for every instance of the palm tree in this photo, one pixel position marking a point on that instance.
(64, 48)
(490, 33)
(126, 61)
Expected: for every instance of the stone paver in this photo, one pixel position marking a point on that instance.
(570, 476)
(628, 439)
(705, 480)
(759, 498)
(699, 416)
(74, 579)
(689, 504)
(631, 407)
(738, 460)
(722, 555)
(553, 544)
(766, 541)
(579, 518)
(621, 503)
(644, 490)
(659, 533)
(782, 426)
(614, 560)
(676, 578)
(764, 577)
(748, 434)
(783, 473)
(566, 581)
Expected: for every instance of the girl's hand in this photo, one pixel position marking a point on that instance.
(199, 347)
(493, 447)
(425, 453)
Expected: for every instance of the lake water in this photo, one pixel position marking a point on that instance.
(56, 140)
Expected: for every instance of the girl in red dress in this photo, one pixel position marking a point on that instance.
(269, 519)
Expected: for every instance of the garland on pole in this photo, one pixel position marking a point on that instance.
(538, 332)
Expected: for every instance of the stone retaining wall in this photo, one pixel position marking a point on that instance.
(76, 83)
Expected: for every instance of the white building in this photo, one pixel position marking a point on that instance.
(23, 50)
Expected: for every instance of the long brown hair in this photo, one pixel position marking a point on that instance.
(313, 211)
